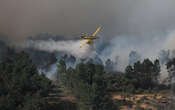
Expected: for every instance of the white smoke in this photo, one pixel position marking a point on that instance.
(50, 72)
(119, 46)
(70, 46)
(122, 45)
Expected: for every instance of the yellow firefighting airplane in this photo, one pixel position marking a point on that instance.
(90, 38)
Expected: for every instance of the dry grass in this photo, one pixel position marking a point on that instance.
(147, 101)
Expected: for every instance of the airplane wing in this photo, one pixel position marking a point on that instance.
(84, 44)
(98, 29)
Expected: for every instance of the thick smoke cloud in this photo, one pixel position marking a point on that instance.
(70, 47)
(21, 18)
(143, 19)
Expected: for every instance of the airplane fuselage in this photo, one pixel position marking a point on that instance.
(89, 37)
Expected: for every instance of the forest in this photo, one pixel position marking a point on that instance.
(87, 86)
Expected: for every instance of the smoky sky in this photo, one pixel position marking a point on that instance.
(140, 18)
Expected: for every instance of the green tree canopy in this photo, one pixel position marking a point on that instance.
(20, 83)
(88, 85)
